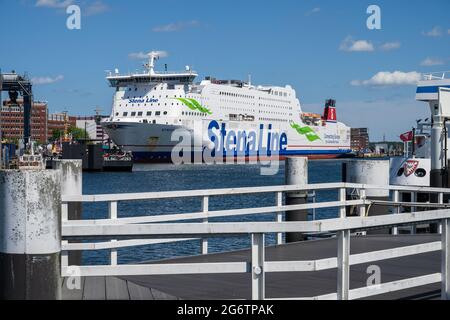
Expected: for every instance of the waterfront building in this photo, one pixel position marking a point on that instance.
(11, 120)
(359, 139)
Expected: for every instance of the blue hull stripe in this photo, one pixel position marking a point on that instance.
(430, 89)
(142, 156)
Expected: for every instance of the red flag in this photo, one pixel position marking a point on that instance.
(407, 136)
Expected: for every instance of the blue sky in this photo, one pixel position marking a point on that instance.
(322, 48)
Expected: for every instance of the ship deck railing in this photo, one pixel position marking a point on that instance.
(119, 232)
(442, 75)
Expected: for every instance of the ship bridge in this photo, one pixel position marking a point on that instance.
(151, 76)
(428, 87)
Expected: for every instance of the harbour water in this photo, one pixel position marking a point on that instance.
(148, 178)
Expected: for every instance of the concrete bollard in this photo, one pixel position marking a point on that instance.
(296, 173)
(374, 172)
(72, 185)
(30, 237)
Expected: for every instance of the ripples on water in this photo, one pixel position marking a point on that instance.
(148, 178)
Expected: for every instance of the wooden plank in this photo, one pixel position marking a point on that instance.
(72, 294)
(116, 289)
(95, 288)
(138, 292)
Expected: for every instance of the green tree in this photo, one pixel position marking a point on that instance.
(76, 133)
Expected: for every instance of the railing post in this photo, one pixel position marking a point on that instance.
(362, 207)
(343, 277)
(64, 211)
(342, 199)
(441, 201)
(71, 184)
(205, 209)
(396, 209)
(413, 209)
(445, 262)
(258, 281)
(112, 208)
(64, 256)
(279, 199)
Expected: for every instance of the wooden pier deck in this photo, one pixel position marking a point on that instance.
(278, 285)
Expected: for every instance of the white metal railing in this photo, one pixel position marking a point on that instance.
(133, 231)
(442, 75)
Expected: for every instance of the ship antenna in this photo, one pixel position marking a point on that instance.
(152, 57)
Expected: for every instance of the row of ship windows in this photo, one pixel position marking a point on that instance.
(275, 112)
(275, 100)
(141, 114)
(145, 104)
(157, 113)
(241, 102)
(154, 97)
(273, 119)
(279, 107)
(231, 94)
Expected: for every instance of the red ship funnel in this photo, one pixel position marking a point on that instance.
(329, 114)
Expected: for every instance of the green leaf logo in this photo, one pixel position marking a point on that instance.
(306, 131)
(194, 105)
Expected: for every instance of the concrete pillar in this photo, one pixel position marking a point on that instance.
(72, 185)
(30, 234)
(296, 173)
(374, 172)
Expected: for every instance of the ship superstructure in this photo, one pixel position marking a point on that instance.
(232, 116)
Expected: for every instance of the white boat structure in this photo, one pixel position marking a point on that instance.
(229, 117)
(427, 162)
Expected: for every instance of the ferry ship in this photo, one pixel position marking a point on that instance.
(416, 167)
(229, 117)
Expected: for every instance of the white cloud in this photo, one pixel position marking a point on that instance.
(312, 11)
(386, 78)
(94, 8)
(53, 3)
(176, 26)
(390, 46)
(46, 80)
(137, 55)
(448, 31)
(351, 45)
(142, 56)
(428, 62)
(435, 32)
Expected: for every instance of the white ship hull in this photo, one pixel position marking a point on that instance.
(155, 143)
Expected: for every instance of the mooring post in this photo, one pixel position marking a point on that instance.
(296, 173)
(72, 185)
(30, 237)
(369, 172)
